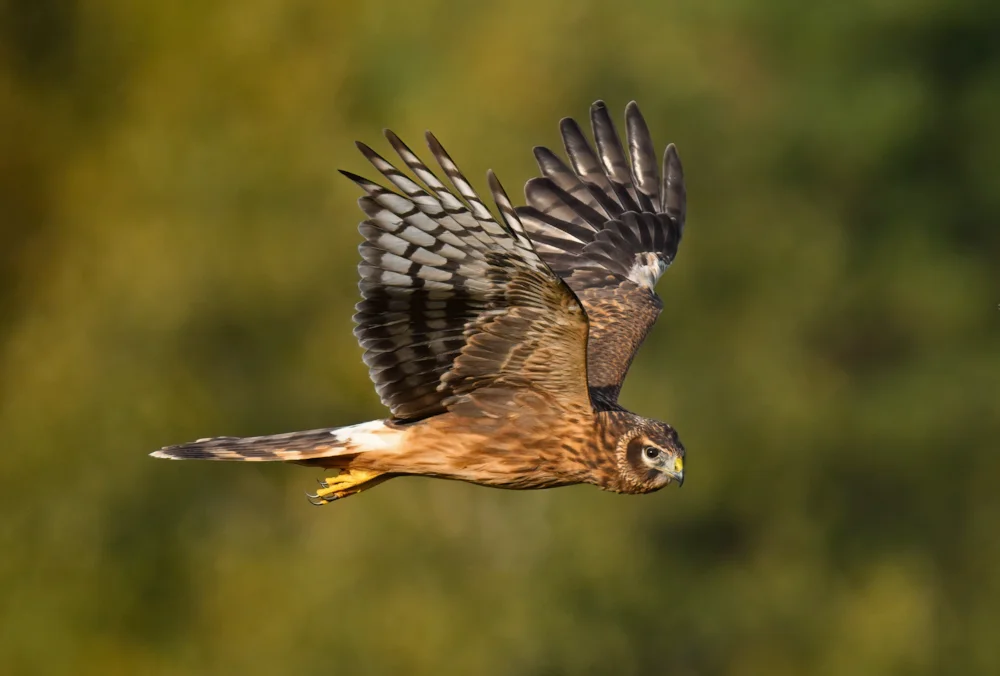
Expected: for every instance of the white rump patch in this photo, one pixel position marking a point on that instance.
(366, 437)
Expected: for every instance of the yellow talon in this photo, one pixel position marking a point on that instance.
(348, 482)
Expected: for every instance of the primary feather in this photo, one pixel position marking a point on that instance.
(436, 270)
(608, 224)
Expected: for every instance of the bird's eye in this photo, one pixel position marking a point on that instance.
(651, 452)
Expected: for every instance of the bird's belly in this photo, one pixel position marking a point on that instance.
(502, 458)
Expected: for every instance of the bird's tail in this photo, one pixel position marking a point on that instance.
(309, 447)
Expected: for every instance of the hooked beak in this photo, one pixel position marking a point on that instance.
(677, 473)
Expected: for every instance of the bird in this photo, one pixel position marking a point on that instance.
(500, 345)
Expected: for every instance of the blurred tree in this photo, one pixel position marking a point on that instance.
(177, 260)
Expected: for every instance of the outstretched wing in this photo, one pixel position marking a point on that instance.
(609, 226)
(457, 308)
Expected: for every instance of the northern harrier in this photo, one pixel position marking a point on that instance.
(500, 347)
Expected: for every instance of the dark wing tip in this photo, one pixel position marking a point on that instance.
(437, 150)
(674, 159)
(634, 120)
(642, 154)
(534, 185)
(599, 111)
(507, 211)
(673, 197)
(360, 180)
(568, 124)
(496, 189)
(612, 157)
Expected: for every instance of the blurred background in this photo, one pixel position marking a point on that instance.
(177, 260)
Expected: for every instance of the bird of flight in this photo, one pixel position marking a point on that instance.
(500, 347)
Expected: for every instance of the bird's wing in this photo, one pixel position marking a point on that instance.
(609, 225)
(458, 309)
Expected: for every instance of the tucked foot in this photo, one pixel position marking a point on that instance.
(348, 482)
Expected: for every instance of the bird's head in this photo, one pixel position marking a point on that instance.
(650, 456)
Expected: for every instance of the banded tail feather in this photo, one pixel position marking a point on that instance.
(309, 447)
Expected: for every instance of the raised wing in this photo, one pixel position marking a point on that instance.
(609, 225)
(457, 309)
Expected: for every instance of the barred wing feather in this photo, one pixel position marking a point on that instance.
(454, 302)
(609, 224)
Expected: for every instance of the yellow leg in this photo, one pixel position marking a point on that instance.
(348, 482)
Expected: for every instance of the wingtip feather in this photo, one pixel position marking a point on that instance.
(360, 180)
(673, 197)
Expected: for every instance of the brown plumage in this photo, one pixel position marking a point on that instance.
(476, 331)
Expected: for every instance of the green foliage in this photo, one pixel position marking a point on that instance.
(177, 260)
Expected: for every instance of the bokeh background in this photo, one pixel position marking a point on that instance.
(177, 260)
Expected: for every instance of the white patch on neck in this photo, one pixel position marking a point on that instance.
(647, 269)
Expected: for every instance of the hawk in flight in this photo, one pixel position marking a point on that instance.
(500, 347)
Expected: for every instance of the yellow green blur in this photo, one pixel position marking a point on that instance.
(177, 260)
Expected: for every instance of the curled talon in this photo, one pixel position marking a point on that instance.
(315, 499)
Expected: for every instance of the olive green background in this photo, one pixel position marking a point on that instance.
(177, 260)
